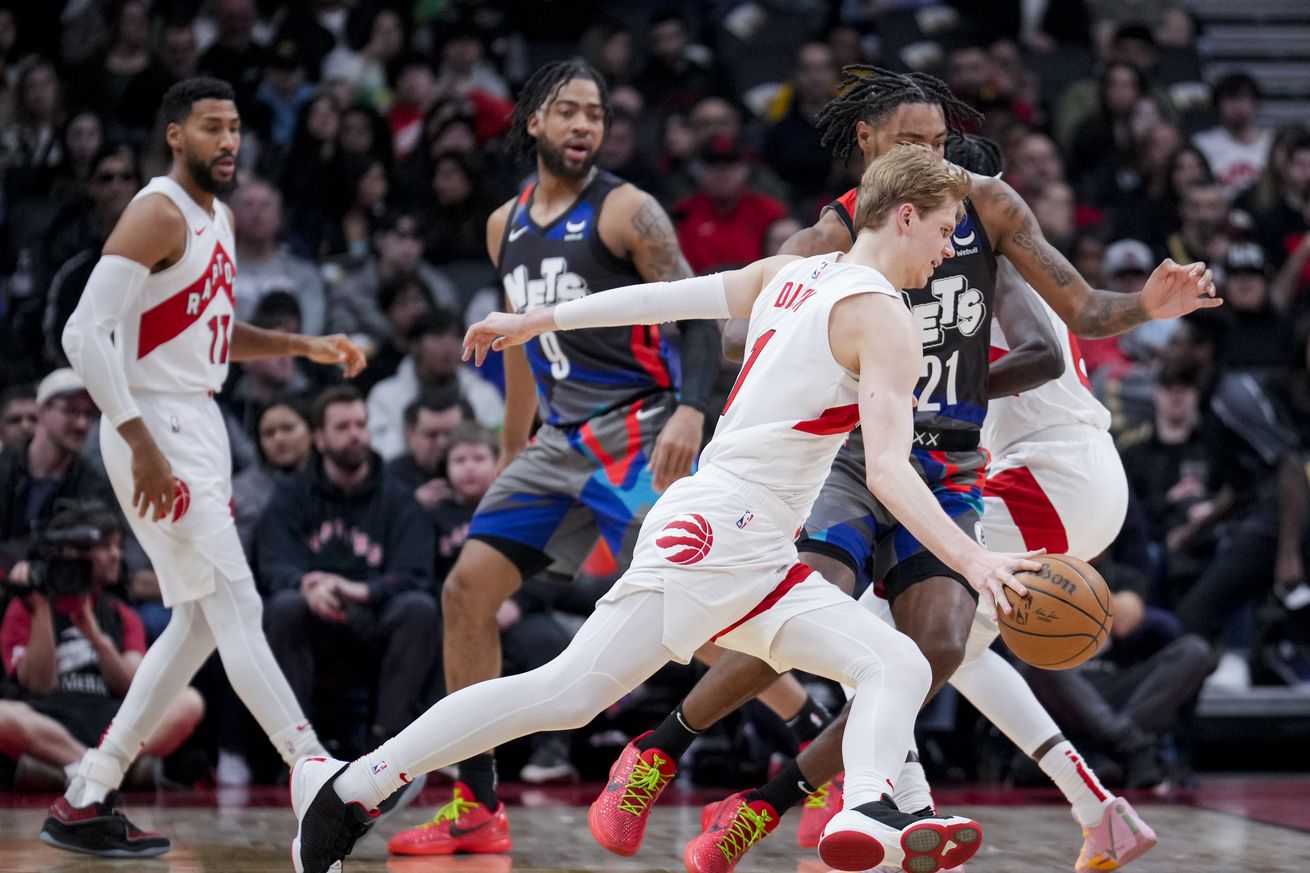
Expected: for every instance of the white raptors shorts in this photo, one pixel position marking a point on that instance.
(1062, 490)
(722, 551)
(197, 542)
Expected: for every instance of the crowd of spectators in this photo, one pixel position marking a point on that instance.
(369, 163)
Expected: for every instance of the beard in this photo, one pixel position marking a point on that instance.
(553, 160)
(203, 174)
(348, 458)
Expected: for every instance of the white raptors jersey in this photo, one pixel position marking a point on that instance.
(1060, 402)
(793, 404)
(175, 336)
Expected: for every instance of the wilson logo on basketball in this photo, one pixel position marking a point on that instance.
(181, 499)
(685, 540)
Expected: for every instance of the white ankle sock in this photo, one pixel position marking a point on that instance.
(370, 779)
(297, 741)
(912, 790)
(98, 773)
(1073, 777)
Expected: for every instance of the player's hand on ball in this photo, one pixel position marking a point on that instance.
(500, 330)
(1175, 289)
(337, 349)
(153, 487)
(991, 573)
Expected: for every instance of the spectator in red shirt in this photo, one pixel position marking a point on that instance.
(73, 658)
(724, 224)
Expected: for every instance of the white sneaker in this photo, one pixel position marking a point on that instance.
(856, 840)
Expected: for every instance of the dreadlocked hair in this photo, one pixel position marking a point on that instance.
(539, 90)
(977, 154)
(868, 93)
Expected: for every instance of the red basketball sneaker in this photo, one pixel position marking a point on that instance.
(737, 826)
(818, 810)
(461, 826)
(618, 816)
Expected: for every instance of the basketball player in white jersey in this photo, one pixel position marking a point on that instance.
(1056, 483)
(716, 557)
(151, 337)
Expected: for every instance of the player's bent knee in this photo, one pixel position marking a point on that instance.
(944, 655)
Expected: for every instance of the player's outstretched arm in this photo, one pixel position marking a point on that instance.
(1035, 356)
(718, 295)
(889, 360)
(150, 235)
(1172, 289)
(250, 343)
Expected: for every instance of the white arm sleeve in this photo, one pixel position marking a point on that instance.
(114, 282)
(649, 303)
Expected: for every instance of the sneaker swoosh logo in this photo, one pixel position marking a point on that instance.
(517, 232)
(457, 831)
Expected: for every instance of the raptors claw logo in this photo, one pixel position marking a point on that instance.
(685, 540)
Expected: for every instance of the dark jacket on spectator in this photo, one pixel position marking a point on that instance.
(375, 534)
(79, 482)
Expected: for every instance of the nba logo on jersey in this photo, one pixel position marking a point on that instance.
(686, 540)
(745, 519)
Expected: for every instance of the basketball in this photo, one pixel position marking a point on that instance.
(1064, 619)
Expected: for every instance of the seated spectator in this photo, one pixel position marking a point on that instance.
(436, 345)
(457, 218)
(18, 415)
(264, 380)
(311, 157)
(724, 224)
(73, 242)
(236, 57)
(429, 421)
(1125, 267)
(1054, 208)
(346, 558)
(1203, 221)
(677, 72)
(1277, 196)
(1103, 142)
(283, 442)
(265, 265)
(374, 37)
(1256, 336)
(529, 631)
(1116, 706)
(49, 466)
(283, 93)
(1238, 146)
(359, 197)
(404, 302)
(396, 253)
(73, 656)
(792, 141)
(1282, 228)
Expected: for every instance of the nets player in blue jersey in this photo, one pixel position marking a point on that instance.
(849, 536)
(617, 428)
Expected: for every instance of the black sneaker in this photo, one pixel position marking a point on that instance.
(99, 829)
(329, 827)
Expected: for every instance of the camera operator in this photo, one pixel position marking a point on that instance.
(71, 647)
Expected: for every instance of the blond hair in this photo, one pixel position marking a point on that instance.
(909, 173)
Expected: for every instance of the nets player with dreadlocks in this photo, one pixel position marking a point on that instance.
(615, 431)
(849, 535)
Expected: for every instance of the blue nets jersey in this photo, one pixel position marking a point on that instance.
(580, 374)
(953, 314)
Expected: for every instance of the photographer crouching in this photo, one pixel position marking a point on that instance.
(70, 648)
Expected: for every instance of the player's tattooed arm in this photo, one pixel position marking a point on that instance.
(1172, 289)
(654, 244)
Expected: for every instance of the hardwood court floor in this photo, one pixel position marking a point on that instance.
(551, 836)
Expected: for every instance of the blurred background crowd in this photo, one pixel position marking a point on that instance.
(370, 160)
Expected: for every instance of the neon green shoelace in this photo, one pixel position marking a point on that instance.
(645, 783)
(453, 811)
(748, 828)
(819, 799)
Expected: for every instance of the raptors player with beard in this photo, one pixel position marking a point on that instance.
(152, 337)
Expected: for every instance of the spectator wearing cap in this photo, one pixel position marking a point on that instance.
(433, 362)
(724, 224)
(1257, 335)
(1124, 268)
(1237, 147)
(396, 252)
(285, 91)
(49, 466)
(265, 265)
(17, 415)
